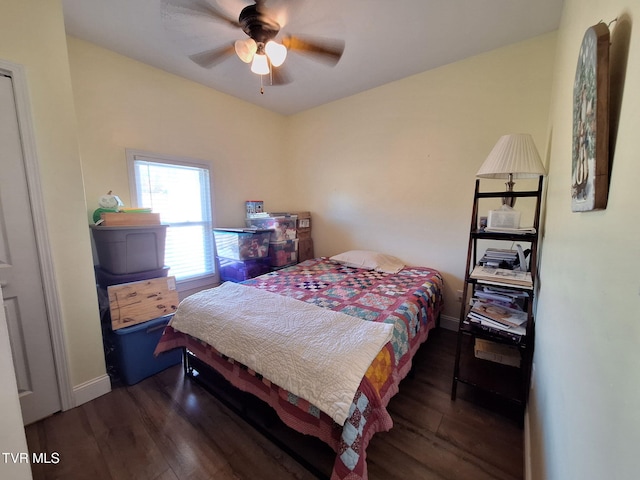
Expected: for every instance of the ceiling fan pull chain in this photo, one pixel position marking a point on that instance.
(261, 86)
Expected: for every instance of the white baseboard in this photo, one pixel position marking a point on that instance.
(94, 388)
(448, 322)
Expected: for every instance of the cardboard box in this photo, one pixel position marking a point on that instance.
(120, 219)
(497, 352)
(305, 249)
(304, 220)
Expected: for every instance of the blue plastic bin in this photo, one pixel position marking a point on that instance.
(134, 347)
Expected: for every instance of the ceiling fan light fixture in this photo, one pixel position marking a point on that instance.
(246, 49)
(260, 64)
(276, 52)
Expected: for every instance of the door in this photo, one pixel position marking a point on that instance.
(20, 275)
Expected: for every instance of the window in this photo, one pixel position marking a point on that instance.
(179, 190)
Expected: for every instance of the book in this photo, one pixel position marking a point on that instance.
(511, 335)
(504, 291)
(516, 330)
(501, 253)
(507, 295)
(500, 257)
(494, 297)
(506, 316)
(502, 276)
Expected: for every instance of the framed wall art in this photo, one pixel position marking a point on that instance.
(590, 153)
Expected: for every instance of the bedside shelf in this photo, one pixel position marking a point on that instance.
(504, 381)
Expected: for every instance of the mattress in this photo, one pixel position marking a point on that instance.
(409, 300)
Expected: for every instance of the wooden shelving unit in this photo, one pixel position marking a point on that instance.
(506, 382)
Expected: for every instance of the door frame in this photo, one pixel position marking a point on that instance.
(51, 295)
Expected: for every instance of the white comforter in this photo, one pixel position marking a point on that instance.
(317, 354)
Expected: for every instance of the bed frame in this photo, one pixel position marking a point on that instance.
(368, 415)
(241, 403)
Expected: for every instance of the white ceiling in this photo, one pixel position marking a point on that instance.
(385, 40)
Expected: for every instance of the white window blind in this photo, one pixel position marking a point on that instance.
(180, 192)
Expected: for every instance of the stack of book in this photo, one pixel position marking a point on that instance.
(500, 258)
(505, 297)
(499, 310)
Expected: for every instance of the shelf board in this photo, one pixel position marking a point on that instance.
(516, 194)
(474, 281)
(524, 237)
(475, 332)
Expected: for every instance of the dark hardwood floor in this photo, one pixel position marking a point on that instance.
(166, 427)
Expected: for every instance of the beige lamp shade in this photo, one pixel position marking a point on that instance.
(514, 155)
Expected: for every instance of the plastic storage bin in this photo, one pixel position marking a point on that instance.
(283, 227)
(134, 347)
(105, 279)
(283, 253)
(124, 250)
(241, 270)
(241, 244)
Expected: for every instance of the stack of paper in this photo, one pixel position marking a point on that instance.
(500, 317)
(502, 276)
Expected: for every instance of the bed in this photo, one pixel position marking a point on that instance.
(406, 305)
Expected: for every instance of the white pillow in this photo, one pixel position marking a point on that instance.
(369, 260)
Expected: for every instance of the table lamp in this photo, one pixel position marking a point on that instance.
(513, 156)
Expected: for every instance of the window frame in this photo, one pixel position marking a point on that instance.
(201, 281)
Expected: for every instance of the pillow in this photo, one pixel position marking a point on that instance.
(369, 260)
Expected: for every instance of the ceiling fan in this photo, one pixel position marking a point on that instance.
(261, 48)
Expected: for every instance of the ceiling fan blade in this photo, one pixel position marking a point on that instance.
(200, 8)
(209, 58)
(327, 50)
(280, 75)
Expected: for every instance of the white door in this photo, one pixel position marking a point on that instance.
(20, 275)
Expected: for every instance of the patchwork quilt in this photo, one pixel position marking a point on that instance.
(410, 300)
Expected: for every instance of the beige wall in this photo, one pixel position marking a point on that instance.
(393, 169)
(585, 404)
(121, 103)
(32, 34)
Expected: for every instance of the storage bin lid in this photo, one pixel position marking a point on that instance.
(128, 227)
(156, 322)
(242, 230)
